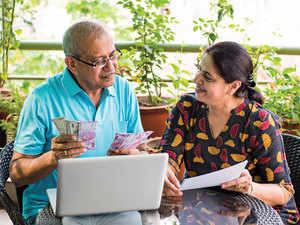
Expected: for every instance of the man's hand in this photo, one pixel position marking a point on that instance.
(66, 146)
(171, 185)
(241, 184)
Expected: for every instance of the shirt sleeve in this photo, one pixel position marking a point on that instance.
(31, 138)
(173, 139)
(268, 150)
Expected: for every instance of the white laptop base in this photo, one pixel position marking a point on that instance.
(108, 184)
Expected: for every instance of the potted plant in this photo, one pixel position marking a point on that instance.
(11, 103)
(7, 40)
(11, 10)
(283, 97)
(151, 22)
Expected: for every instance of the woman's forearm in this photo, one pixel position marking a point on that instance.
(273, 194)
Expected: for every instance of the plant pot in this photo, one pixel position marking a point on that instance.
(290, 126)
(152, 146)
(154, 117)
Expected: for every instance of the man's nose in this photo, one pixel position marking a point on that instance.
(109, 66)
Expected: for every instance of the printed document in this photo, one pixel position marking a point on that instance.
(215, 178)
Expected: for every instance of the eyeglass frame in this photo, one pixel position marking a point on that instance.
(94, 65)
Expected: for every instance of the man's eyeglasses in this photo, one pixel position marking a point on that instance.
(103, 61)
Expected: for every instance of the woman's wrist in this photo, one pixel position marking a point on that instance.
(251, 190)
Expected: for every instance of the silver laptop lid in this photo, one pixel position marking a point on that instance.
(110, 184)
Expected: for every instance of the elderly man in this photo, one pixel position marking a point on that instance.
(87, 90)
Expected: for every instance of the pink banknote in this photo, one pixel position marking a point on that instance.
(129, 140)
(87, 134)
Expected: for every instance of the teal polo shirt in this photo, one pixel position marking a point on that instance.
(60, 96)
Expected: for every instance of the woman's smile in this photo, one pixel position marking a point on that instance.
(200, 90)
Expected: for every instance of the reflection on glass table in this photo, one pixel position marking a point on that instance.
(214, 206)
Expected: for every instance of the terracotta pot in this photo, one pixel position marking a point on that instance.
(152, 145)
(154, 118)
(290, 126)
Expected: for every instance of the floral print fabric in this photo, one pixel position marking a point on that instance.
(252, 132)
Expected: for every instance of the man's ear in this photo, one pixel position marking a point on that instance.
(70, 63)
(234, 86)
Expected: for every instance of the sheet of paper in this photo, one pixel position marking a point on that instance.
(215, 178)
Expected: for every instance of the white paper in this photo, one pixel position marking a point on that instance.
(215, 178)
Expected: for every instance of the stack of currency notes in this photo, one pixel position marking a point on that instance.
(84, 131)
(129, 140)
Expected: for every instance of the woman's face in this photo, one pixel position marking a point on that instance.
(211, 88)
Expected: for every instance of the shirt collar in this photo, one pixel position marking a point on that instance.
(110, 91)
(69, 83)
(73, 88)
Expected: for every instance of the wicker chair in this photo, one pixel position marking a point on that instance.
(292, 150)
(46, 216)
(11, 209)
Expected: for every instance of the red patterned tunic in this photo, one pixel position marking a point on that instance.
(252, 132)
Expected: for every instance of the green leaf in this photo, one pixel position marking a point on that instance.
(175, 68)
(220, 14)
(277, 61)
(212, 37)
(289, 70)
(18, 31)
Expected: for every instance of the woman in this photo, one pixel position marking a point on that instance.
(224, 123)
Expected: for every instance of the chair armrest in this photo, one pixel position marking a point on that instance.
(11, 209)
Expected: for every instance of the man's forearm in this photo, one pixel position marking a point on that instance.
(25, 171)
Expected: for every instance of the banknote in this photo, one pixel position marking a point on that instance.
(84, 131)
(87, 133)
(129, 140)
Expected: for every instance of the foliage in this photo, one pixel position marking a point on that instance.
(11, 106)
(38, 63)
(11, 10)
(283, 94)
(179, 83)
(8, 37)
(102, 10)
(209, 27)
(151, 24)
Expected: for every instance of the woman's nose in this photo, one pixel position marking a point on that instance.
(197, 78)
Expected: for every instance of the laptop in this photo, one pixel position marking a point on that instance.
(108, 184)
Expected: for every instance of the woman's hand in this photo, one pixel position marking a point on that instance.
(242, 184)
(171, 185)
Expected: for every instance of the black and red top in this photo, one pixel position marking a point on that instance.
(252, 132)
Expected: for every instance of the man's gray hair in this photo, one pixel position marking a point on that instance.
(80, 31)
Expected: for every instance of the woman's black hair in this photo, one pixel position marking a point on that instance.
(233, 62)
